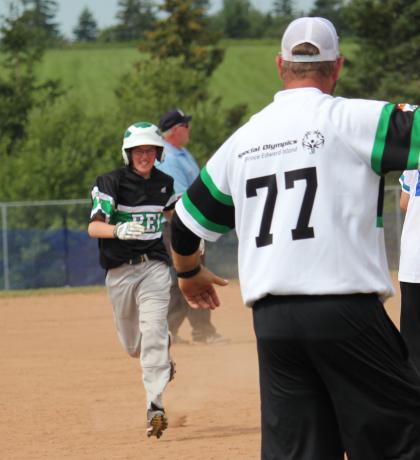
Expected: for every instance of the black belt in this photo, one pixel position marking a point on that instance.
(138, 260)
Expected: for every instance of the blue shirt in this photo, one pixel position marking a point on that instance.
(180, 164)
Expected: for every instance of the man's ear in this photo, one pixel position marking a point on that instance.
(279, 65)
(338, 66)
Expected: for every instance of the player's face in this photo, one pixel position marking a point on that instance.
(143, 158)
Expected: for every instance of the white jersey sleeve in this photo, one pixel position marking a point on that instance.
(409, 268)
(408, 181)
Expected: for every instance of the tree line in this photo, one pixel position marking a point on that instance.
(51, 148)
(134, 19)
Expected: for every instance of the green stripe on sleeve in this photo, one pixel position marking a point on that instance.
(413, 155)
(380, 138)
(200, 218)
(215, 192)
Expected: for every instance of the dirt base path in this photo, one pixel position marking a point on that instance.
(68, 391)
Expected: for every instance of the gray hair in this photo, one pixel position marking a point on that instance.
(293, 70)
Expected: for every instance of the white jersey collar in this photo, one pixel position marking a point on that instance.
(306, 90)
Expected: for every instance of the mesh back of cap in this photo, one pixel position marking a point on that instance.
(318, 31)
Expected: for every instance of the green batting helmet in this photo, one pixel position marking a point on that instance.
(142, 133)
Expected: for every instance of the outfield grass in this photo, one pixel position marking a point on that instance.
(90, 74)
(247, 74)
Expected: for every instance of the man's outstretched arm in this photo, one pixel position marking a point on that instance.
(195, 281)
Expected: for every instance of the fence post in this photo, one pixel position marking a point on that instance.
(5, 247)
(66, 249)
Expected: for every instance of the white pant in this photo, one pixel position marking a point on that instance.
(140, 297)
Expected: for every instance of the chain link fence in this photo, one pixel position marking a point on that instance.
(45, 244)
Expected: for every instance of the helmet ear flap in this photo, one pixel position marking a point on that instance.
(126, 156)
(160, 156)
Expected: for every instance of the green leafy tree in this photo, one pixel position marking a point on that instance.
(20, 90)
(236, 18)
(135, 19)
(386, 63)
(108, 34)
(177, 74)
(62, 153)
(156, 85)
(184, 32)
(259, 23)
(240, 19)
(334, 10)
(43, 13)
(86, 29)
(283, 8)
(275, 25)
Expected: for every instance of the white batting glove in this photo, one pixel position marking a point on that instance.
(129, 231)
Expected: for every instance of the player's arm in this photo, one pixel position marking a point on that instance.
(98, 228)
(407, 180)
(168, 215)
(404, 198)
(195, 280)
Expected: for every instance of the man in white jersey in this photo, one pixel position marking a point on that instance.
(409, 269)
(334, 372)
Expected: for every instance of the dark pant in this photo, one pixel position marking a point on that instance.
(334, 377)
(179, 309)
(410, 319)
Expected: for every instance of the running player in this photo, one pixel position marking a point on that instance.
(128, 205)
(302, 184)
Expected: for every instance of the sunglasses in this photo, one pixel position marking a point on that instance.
(143, 151)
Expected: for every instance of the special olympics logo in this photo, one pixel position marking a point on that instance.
(313, 140)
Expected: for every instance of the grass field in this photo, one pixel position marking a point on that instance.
(247, 74)
(90, 74)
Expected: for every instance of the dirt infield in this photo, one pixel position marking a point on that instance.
(68, 391)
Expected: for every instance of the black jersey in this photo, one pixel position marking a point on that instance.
(122, 196)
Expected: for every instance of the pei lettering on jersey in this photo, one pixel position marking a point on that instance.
(151, 221)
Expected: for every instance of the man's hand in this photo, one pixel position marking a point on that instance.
(199, 290)
(129, 230)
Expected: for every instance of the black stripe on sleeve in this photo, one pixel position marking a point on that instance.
(380, 205)
(183, 240)
(397, 144)
(210, 207)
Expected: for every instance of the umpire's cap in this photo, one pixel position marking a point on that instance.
(172, 118)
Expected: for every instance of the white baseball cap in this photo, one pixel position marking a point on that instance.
(320, 32)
